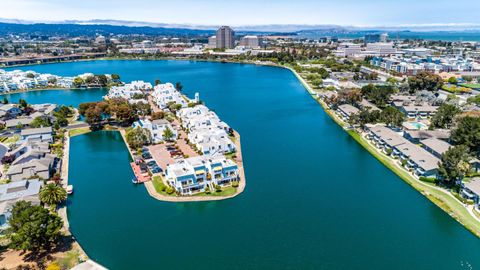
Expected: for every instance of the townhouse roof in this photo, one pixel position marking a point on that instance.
(419, 108)
(14, 122)
(366, 103)
(425, 134)
(348, 109)
(19, 189)
(436, 145)
(34, 131)
(38, 165)
(417, 154)
(474, 185)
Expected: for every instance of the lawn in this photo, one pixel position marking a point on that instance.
(471, 85)
(227, 191)
(79, 131)
(158, 184)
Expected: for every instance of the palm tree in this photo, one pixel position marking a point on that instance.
(168, 134)
(52, 194)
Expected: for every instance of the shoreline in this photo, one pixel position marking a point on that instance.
(154, 194)
(46, 89)
(441, 198)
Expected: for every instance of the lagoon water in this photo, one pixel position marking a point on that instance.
(315, 199)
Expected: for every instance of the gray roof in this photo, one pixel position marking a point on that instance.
(474, 185)
(420, 108)
(425, 134)
(19, 189)
(38, 165)
(367, 104)
(348, 109)
(436, 145)
(34, 131)
(16, 121)
(417, 154)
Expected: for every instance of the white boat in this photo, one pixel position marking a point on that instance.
(69, 189)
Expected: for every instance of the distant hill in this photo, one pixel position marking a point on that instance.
(44, 29)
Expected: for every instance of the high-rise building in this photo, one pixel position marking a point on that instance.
(250, 41)
(225, 38)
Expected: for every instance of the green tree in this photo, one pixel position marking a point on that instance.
(52, 194)
(137, 137)
(40, 121)
(380, 95)
(5, 100)
(23, 103)
(168, 134)
(467, 132)
(425, 81)
(157, 82)
(444, 116)
(115, 77)
(33, 228)
(452, 80)
(392, 116)
(454, 164)
(179, 86)
(77, 82)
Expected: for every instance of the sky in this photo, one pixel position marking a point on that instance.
(250, 12)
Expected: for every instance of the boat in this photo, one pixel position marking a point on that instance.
(69, 189)
(134, 180)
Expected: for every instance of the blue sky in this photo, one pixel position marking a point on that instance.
(250, 12)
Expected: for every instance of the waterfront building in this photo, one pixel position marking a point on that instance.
(471, 190)
(346, 111)
(413, 157)
(164, 94)
(195, 174)
(225, 38)
(372, 38)
(41, 168)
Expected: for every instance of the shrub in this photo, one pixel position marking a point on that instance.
(234, 184)
(170, 190)
(428, 179)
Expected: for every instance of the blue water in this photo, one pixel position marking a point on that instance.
(62, 97)
(314, 199)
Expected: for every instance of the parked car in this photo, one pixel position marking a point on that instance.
(156, 169)
(146, 155)
(152, 163)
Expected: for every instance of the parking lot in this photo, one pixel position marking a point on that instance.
(167, 153)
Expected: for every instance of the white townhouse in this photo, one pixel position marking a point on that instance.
(211, 141)
(206, 130)
(163, 94)
(193, 175)
(156, 129)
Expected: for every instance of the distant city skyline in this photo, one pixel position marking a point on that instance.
(249, 12)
